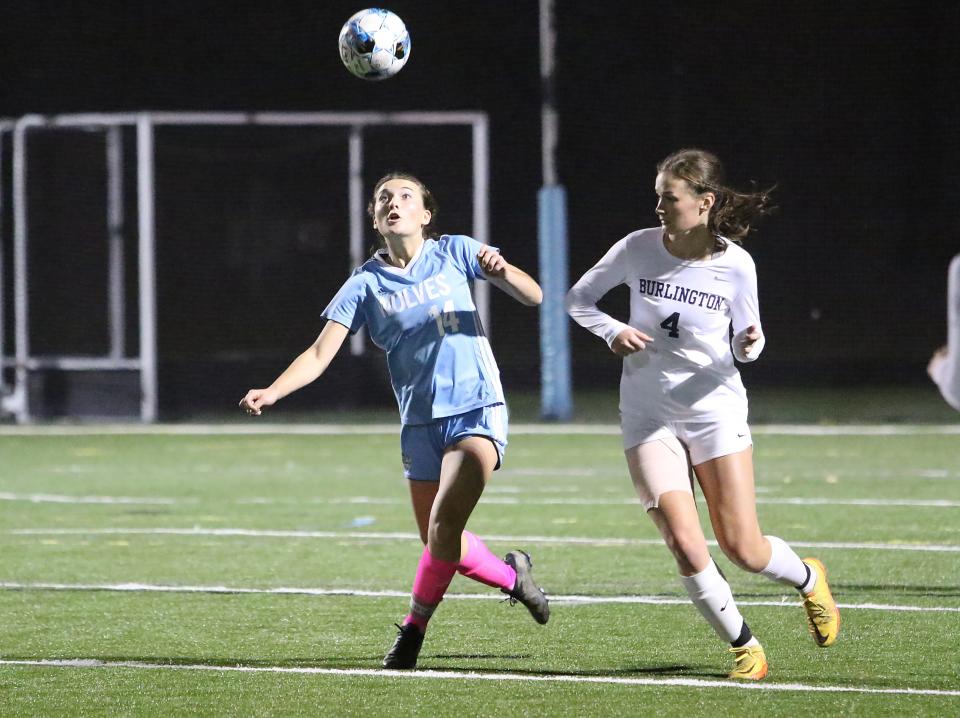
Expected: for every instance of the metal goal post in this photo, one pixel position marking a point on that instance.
(15, 397)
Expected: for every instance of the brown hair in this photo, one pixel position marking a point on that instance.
(429, 201)
(734, 212)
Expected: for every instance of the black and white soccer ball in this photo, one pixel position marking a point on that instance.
(374, 44)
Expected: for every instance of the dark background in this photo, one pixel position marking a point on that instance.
(850, 108)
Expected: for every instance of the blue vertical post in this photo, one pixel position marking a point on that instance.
(556, 400)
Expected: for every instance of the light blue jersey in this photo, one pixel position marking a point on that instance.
(424, 318)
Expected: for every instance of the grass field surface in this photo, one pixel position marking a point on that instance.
(204, 572)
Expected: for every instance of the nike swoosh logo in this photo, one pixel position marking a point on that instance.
(740, 436)
(724, 608)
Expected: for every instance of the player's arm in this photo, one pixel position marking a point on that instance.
(583, 296)
(944, 366)
(304, 369)
(944, 369)
(512, 280)
(748, 339)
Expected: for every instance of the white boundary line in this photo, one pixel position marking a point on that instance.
(785, 500)
(400, 535)
(65, 499)
(503, 500)
(556, 599)
(394, 429)
(471, 675)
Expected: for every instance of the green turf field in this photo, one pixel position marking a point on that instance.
(226, 574)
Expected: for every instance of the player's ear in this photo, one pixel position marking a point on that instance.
(427, 216)
(707, 201)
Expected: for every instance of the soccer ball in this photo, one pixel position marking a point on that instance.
(374, 44)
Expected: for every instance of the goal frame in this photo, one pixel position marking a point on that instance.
(15, 398)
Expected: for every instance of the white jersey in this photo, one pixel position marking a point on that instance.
(687, 373)
(946, 371)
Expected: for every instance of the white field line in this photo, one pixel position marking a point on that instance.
(503, 500)
(65, 499)
(362, 593)
(823, 501)
(400, 535)
(473, 676)
(526, 501)
(394, 429)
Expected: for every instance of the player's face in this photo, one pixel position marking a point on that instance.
(678, 207)
(398, 209)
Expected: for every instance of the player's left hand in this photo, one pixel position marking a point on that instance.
(750, 339)
(492, 262)
(933, 367)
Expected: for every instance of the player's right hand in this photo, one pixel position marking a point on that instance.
(629, 341)
(256, 399)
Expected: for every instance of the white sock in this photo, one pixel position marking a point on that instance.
(712, 596)
(786, 567)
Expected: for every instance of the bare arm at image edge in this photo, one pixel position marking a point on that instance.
(944, 367)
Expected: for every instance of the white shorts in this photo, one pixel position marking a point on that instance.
(702, 440)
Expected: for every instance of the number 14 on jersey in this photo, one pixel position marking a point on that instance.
(446, 319)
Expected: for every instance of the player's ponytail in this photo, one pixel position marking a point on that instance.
(734, 213)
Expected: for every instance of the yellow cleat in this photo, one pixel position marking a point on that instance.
(751, 663)
(823, 616)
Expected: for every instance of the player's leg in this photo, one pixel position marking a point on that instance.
(422, 494)
(464, 470)
(513, 574)
(470, 462)
(661, 476)
(476, 562)
(462, 452)
(727, 483)
(422, 450)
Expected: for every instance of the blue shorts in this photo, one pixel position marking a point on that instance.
(423, 445)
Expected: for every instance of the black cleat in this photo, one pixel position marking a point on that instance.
(525, 590)
(403, 654)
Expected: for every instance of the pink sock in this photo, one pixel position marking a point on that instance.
(431, 582)
(481, 565)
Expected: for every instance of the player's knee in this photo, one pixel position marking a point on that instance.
(748, 553)
(444, 535)
(688, 548)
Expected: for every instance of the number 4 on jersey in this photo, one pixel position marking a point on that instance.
(447, 319)
(670, 324)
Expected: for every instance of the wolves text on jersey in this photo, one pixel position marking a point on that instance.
(677, 293)
(408, 297)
